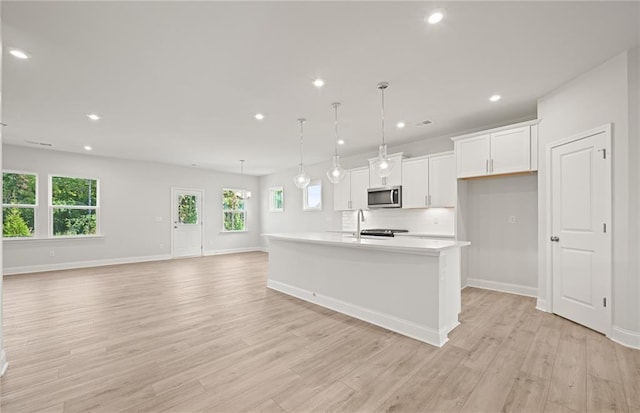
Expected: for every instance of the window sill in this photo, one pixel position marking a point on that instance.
(234, 232)
(37, 239)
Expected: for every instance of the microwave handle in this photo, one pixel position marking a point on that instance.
(391, 196)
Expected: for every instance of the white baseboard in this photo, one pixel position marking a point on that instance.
(233, 251)
(83, 264)
(404, 327)
(3, 362)
(503, 287)
(542, 305)
(625, 337)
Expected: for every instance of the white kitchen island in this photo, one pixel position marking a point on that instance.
(408, 285)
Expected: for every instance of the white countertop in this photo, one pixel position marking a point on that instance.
(398, 244)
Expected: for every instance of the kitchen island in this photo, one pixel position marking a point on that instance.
(407, 285)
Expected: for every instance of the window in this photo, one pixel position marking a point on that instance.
(276, 199)
(74, 206)
(234, 214)
(19, 203)
(187, 209)
(312, 196)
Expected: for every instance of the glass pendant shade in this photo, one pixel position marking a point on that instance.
(302, 179)
(383, 165)
(337, 173)
(242, 193)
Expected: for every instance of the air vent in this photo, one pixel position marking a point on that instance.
(424, 122)
(47, 144)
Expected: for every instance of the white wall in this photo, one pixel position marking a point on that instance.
(503, 255)
(132, 196)
(598, 97)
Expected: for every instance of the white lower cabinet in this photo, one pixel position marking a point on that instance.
(351, 193)
(429, 181)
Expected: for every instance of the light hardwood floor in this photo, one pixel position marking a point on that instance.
(205, 334)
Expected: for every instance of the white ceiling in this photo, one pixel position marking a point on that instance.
(180, 82)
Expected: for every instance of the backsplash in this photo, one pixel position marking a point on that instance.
(435, 221)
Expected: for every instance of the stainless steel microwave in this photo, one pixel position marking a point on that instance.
(390, 197)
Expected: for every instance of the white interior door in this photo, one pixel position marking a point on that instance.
(580, 229)
(186, 222)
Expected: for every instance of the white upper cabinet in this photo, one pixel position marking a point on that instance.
(359, 186)
(505, 150)
(415, 186)
(351, 193)
(429, 181)
(472, 156)
(394, 179)
(442, 181)
(510, 151)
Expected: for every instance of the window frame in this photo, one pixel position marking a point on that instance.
(305, 196)
(243, 211)
(272, 191)
(34, 233)
(52, 207)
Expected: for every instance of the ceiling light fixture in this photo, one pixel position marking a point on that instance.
(302, 179)
(318, 83)
(18, 53)
(382, 165)
(495, 98)
(242, 193)
(259, 116)
(337, 173)
(88, 148)
(435, 17)
(340, 141)
(93, 117)
(400, 125)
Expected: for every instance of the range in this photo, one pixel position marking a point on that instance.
(382, 232)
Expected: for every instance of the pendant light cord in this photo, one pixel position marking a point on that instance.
(335, 143)
(382, 88)
(301, 138)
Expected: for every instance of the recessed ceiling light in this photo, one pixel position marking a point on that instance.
(318, 83)
(259, 116)
(495, 98)
(340, 141)
(435, 17)
(93, 116)
(18, 53)
(400, 125)
(88, 148)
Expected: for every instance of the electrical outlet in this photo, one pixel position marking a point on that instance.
(512, 219)
(52, 253)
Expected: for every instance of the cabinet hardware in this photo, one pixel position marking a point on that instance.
(604, 153)
(486, 166)
(604, 301)
(555, 239)
(426, 200)
(492, 165)
(604, 227)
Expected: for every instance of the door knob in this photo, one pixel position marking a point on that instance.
(555, 239)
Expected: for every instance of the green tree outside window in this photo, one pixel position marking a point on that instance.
(234, 215)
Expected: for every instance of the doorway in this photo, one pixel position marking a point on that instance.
(579, 233)
(187, 222)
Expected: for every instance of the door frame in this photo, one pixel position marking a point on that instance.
(200, 216)
(606, 129)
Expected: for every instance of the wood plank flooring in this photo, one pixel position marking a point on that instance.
(204, 334)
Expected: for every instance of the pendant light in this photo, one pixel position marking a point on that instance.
(337, 173)
(302, 179)
(242, 193)
(382, 165)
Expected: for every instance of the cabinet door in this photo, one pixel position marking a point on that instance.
(359, 185)
(472, 156)
(511, 151)
(342, 194)
(442, 181)
(415, 186)
(394, 179)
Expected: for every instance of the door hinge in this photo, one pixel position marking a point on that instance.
(604, 153)
(604, 301)
(604, 227)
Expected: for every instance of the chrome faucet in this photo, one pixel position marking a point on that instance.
(359, 214)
